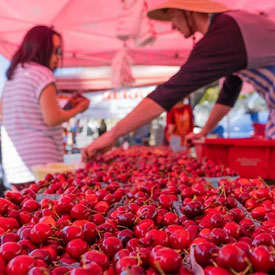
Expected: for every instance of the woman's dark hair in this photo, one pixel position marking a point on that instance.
(37, 46)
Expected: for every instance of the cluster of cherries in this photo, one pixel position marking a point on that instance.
(140, 211)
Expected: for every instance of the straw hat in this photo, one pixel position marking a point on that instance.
(205, 6)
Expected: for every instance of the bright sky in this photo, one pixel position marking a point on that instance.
(4, 63)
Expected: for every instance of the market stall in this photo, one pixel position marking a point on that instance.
(138, 210)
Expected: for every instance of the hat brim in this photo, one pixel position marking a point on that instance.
(160, 11)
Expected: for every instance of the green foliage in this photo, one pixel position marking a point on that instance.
(211, 94)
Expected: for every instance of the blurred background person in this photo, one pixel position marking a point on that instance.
(102, 127)
(180, 122)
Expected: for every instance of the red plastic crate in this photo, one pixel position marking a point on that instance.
(249, 157)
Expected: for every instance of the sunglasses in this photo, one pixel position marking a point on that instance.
(58, 51)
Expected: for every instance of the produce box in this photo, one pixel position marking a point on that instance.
(249, 157)
(40, 171)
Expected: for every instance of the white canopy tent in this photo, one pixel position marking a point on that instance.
(89, 31)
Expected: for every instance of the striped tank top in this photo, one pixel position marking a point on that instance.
(263, 80)
(26, 138)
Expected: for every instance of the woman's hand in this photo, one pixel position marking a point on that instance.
(99, 145)
(82, 104)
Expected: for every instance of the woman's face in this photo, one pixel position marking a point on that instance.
(55, 57)
(179, 22)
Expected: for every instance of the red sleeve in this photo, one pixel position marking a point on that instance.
(170, 119)
(191, 117)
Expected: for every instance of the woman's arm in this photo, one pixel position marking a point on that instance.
(216, 115)
(53, 115)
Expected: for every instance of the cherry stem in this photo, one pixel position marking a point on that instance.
(158, 267)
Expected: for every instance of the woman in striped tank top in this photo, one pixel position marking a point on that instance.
(31, 129)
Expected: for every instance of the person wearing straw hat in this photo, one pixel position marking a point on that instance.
(236, 44)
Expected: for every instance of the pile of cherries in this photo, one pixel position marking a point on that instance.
(140, 211)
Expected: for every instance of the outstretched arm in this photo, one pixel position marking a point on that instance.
(146, 111)
(216, 115)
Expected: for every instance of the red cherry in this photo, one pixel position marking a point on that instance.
(158, 237)
(244, 246)
(52, 250)
(38, 270)
(90, 231)
(143, 227)
(98, 219)
(64, 205)
(125, 263)
(89, 269)
(147, 212)
(60, 270)
(217, 220)
(20, 265)
(203, 253)
(111, 245)
(193, 209)
(263, 193)
(170, 218)
(30, 205)
(247, 229)
(126, 219)
(261, 259)
(172, 228)
(79, 212)
(180, 239)
(101, 207)
(218, 236)
(8, 223)
(12, 213)
(237, 214)
(125, 235)
(133, 207)
(97, 257)
(41, 254)
(121, 254)
(230, 256)
(2, 266)
(165, 201)
(76, 248)
(72, 232)
(144, 255)
(133, 244)
(263, 239)
(231, 202)
(166, 258)
(14, 197)
(193, 230)
(217, 271)
(27, 245)
(232, 229)
(10, 250)
(40, 233)
(258, 213)
(9, 237)
(251, 204)
(205, 233)
(4, 206)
